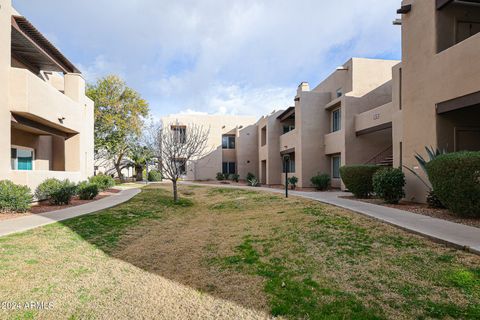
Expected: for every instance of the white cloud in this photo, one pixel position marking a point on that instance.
(234, 56)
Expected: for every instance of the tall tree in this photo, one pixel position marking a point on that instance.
(119, 115)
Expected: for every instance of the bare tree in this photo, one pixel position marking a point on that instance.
(178, 145)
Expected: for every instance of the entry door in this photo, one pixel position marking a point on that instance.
(467, 139)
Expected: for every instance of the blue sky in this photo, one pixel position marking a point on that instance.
(216, 56)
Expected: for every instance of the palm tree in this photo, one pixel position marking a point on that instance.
(139, 157)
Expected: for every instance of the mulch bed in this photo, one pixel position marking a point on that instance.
(44, 206)
(423, 209)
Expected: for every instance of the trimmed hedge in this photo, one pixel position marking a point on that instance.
(56, 191)
(455, 177)
(388, 184)
(358, 179)
(87, 190)
(154, 176)
(13, 197)
(103, 181)
(321, 181)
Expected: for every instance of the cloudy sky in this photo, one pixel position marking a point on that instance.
(216, 56)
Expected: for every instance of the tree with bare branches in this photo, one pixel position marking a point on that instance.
(178, 145)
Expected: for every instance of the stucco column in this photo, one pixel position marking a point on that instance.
(5, 60)
(72, 153)
(75, 86)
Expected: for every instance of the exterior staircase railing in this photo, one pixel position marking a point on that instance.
(383, 158)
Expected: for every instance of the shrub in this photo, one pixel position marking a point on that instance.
(358, 179)
(220, 176)
(154, 176)
(250, 176)
(56, 191)
(253, 182)
(388, 184)
(87, 190)
(13, 197)
(455, 177)
(234, 177)
(103, 181)
(321, 181)
(433, 201)
(293, 181)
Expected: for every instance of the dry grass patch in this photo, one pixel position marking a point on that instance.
(233, 253)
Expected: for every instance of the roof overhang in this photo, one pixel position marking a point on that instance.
(30, 47)
(286, 114)
(443, 3)
(40, 126)
(466, 101)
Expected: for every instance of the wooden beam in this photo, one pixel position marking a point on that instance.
(405, 9)
(468, 100)
(382, 126)
(15, 118)
(40, 49)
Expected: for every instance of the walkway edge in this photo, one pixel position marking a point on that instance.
(449, 233)
(21, 224)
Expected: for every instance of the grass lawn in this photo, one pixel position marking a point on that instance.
(231, 253)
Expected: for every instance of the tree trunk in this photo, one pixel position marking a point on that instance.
(119, 172)
(175, 191)
(139, 173)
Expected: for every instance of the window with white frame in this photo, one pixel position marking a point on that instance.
(336, 163)
(22, 158)
(336, 120)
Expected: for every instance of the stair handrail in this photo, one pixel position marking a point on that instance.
(390, 148)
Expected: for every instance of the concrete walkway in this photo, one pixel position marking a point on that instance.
(37, 220)
(443, 231)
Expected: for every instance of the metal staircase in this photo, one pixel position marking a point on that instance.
(383, 158)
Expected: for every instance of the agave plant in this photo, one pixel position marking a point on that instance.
(432, 153)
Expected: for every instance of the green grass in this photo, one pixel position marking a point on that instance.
(306, 260)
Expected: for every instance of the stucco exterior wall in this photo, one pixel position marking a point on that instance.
(429, 78)
(26, 94)
(206, 167)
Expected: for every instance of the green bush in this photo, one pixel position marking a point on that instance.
(56, 191)
(293, 181)
(234, 177)
(13, 197)
(250, 176)
(388, 184)
(321, 181)
(87, 190)
(455, 177)
(433, 201)
(220, 176)
(154, 176)
(358, 179)
(103, 181)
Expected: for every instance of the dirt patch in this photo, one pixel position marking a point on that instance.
(423, 209)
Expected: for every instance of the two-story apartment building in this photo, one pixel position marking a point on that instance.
(346, 119)
(231, 147)
(46, 121)
(439, 82)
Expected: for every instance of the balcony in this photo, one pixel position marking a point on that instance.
(374, 120)
(31, 95)
(334, 142)
(288, 140)
(35, 177)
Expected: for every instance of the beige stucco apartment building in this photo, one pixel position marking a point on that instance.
(372, 111)
(231, 146)
(438, 81)
(46, 121)
(340, 121)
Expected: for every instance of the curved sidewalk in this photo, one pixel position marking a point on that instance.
(439, 230)
(37, 220)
